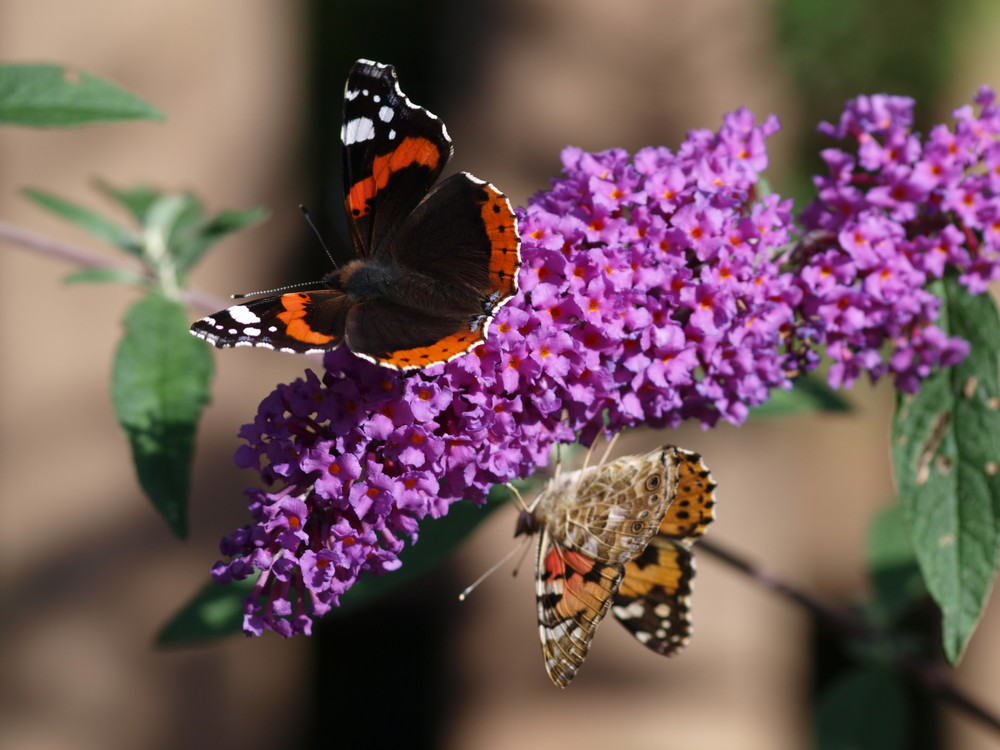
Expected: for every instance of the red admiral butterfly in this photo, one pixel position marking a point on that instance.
(434, 263)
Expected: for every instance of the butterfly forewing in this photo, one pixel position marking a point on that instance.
(386, 138)
(574, 593)
(300, 322)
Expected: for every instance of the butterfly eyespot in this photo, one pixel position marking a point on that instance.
(638, 526)
(653, 482)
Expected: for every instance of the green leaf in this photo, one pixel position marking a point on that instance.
(120, 275)
(217, 611)
(159, 386)
(865, 710)
(137, 201)
(190, 249)
(946, 454)
(102, 228)
(892, 565)
(46, 96)
(810, 393)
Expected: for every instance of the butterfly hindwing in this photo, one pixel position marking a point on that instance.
(653, 602)
(374, 332)
(388, 142)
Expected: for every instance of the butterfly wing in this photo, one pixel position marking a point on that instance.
(393, 153)
(463, 234)
(693, 508)
(301, 322)
(610, 512)
(653, 602)
(404, 338)
(574, 593)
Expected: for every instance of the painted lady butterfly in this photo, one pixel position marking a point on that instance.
(618, 536)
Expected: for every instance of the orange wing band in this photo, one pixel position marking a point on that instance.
(296, 306)
(410, 151)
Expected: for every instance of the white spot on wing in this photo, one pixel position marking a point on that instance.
(251, 331)
(633, 611)
(242, 314)
(358, 130)
(385, 114)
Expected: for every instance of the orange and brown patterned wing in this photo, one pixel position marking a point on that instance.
(574, 593)
(653, 602)
(693, 508)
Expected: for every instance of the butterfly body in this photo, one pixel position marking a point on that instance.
(435, 261)
(617, 537)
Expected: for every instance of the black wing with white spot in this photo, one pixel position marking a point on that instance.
(394, 151)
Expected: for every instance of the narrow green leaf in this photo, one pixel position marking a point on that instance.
(172, 215)
(159, 386)
(120, 275)
(136, 201)
(946, 454)
(102, 228)
(810, 393)
(217, 611)
(864, 710)
(47, 96)
(189, 250)
(169, 217)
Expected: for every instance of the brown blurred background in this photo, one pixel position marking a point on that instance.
(252, 92)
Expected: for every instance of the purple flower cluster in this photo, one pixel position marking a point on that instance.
(648, 295)
(654, 288)
(892, 214)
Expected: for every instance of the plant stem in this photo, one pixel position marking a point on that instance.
(927, 674)
(80, 256)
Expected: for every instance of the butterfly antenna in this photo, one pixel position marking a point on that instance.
(273, 291)
(312, 225)
(520, 500)
(586, 459)
(493, 569)
(611, 444)
(517, 568)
